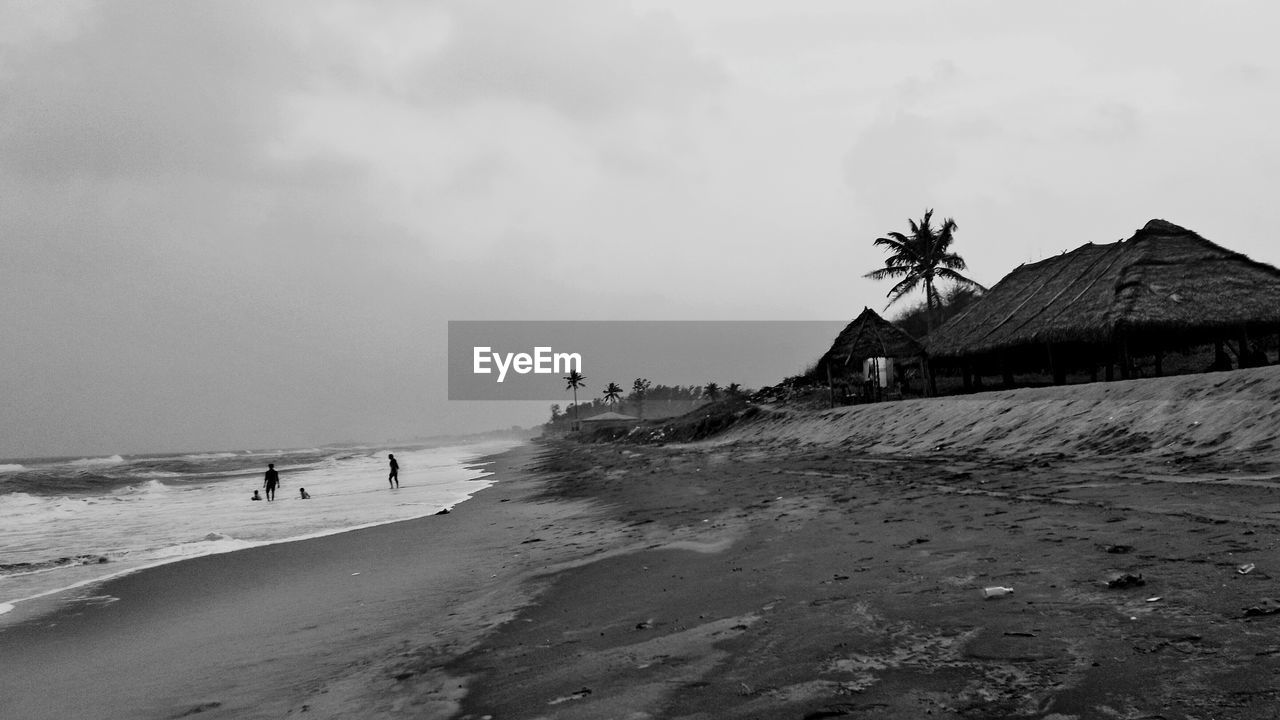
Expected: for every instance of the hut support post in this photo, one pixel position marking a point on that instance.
(967, 376)
(1125, 373)
(1244, 355)
(831, 388)
(933, 381)
(1056, 367)
(925, 379)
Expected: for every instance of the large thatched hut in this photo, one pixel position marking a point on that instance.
(1166, 288)
(869, 336)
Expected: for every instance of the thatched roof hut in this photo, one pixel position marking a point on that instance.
(869, 335)
(1165, 287)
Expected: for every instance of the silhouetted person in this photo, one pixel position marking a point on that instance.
(303, 492)
(394, 478)
(256, 496)
(270, 481)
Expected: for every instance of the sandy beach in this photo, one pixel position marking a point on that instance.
(796, 566)
(337, 625)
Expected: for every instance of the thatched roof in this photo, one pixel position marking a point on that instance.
(610, 417)
(1164, 279)
(869, 335)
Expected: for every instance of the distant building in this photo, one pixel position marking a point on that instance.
(608, 420)
(1164, 289)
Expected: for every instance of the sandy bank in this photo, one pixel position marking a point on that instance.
(1228, 414)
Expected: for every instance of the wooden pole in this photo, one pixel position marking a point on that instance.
(1056, 367)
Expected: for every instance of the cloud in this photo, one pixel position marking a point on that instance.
(585, 58)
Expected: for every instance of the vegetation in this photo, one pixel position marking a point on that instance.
(949, 303)
(612, 394)
(653, 401)
(575, 380)
(638, 390)
(919, 260)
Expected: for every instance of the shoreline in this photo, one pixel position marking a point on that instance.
(273, 629)
(30, 607)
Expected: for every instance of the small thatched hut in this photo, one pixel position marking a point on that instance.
(1165, 288)
(868, 336)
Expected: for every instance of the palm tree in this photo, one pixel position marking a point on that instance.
(711, 391)
(575, 380)
(612, 394)
(922, 257)
(733, 390)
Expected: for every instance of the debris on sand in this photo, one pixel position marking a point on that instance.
(1126, 580)
(996, 591)
(1266, 607)
(1246, 568)
(571, 696)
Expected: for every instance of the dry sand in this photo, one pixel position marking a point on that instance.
(806, 565)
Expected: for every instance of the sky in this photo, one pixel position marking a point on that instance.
(239, 224)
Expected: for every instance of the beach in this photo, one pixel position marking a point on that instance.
(326, 623)
(797, 565)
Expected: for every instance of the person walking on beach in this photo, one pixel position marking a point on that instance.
(270, 481)
(394, 478)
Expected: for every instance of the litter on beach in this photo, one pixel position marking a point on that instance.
(996, 591)
(1125, 580)
(1246, 568)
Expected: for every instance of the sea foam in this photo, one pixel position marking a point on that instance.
(91, 462)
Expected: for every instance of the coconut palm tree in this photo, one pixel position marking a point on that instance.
(921, 258)
(612, 393)
(575, 380)
(711, 391)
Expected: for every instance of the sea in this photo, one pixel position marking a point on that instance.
(66, 524)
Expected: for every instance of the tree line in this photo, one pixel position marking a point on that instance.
(644, 400)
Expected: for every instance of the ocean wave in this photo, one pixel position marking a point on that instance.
(86, 462)
(12, 468)
(209, 456)
(147, 488)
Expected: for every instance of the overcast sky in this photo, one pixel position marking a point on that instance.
(246, 224)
